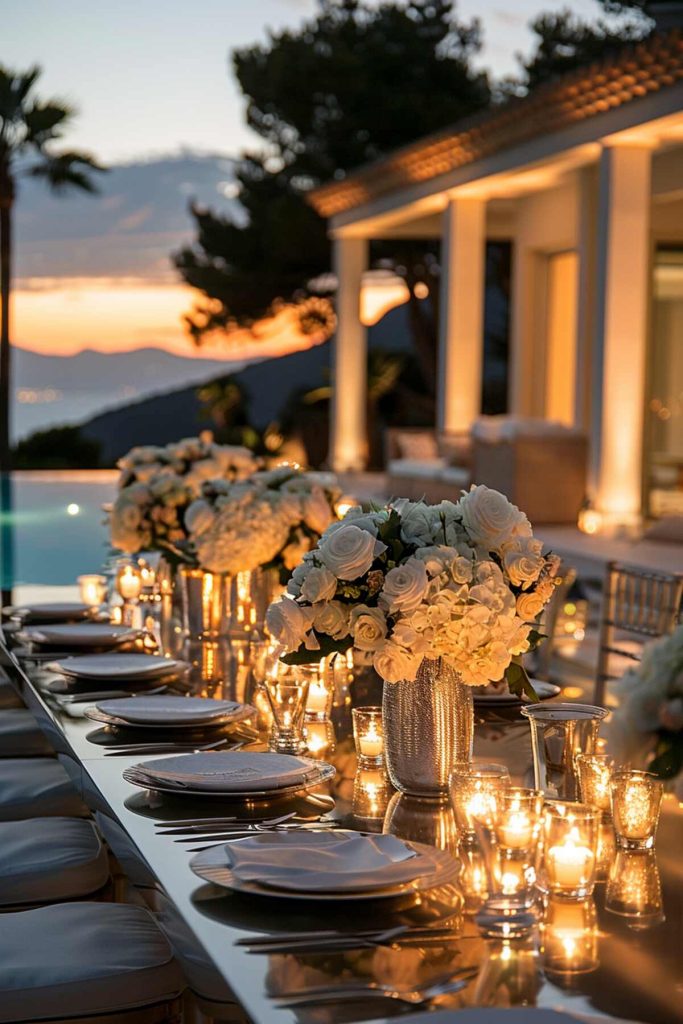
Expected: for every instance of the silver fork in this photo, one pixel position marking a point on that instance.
(373, 990)
(218, 835)
(220, 825)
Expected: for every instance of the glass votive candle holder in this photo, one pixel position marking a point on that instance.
(287, 698)
(569, 943)
(129, 581)
(636, 799)
(93, 589)
(570, 840)
(517, 819)
(594, 771)
(320, 691)
(634, 888)
(607, 848)
(473, 789)
(368, 736)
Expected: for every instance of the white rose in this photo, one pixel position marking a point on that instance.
(405, 586)
(332, 619)
(288, 622)
(319, 584)
(523, 561)
(369, 627)
(394, 663)
(529, 606)
(349, 551)
(461, 569)
(199, 516)
(490, 519)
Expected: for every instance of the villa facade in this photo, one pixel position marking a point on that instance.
(585, 178)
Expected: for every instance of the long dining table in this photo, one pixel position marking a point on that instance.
(636, 974)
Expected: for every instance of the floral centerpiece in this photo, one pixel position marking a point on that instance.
(269, 521)
(431, 592)
(646, 728)
(156, 486)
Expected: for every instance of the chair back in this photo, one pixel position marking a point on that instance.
(637, 605)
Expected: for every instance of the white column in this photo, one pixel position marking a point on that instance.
(623, 267)
(587, 184)
(348, 437)
(461, 328)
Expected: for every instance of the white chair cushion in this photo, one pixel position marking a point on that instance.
(430, 469)
(20, 735)
(44, 860)
(32, 787)
(78, 959)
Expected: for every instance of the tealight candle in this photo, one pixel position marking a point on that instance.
(368, 735)
(93, 589)
(571, 835)
(129, 582)
(319, 736)
(518, 817)
(636, 799)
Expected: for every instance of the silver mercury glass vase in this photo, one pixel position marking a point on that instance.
(428, 727)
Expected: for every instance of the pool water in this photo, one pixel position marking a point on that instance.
(52, 526)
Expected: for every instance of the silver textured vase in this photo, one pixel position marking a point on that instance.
(428, 726)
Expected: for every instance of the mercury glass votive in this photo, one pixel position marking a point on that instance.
(636, 799)
(368, 736)
(473, 789)
(570, 840)
(93, 589)
(634, 888)
(569, 937)
(287, 699)
(594, 772)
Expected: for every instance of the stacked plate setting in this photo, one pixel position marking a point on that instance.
(235, 776)
(77, 636)
(120, 667)
(337, 865)
(51, 613)
(168, 712)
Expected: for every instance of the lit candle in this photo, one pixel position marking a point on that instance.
(516, 832)
(371, 744)
(570, 937)
(318, 699)
(93, 590)
(570, 864)
(129, 583)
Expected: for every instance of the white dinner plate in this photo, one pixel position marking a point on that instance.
(544, 690)
(56, 611)
(161, 711)
(79, 634)
(212, 866)
(116, 665)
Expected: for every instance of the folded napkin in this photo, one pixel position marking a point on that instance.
(169, 710)
(326, 861)
(230, 772)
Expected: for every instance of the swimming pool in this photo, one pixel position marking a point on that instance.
(52, 527)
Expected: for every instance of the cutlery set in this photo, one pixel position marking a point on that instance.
(374, 990)
(333, 941)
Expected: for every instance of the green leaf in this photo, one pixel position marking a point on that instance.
(668, 759)
(536, 638)
(519, 682)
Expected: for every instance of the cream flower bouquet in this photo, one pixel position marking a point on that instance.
(269, 521)
(464, 582)
(156, 486)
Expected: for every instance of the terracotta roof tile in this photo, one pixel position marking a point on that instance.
(624, 76)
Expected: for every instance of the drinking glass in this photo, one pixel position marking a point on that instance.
(287, 699)
(559, 732)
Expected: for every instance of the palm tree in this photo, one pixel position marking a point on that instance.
(28, 127)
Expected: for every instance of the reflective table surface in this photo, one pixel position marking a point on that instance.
(629, 970)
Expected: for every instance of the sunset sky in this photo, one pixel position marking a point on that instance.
(151, 82)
